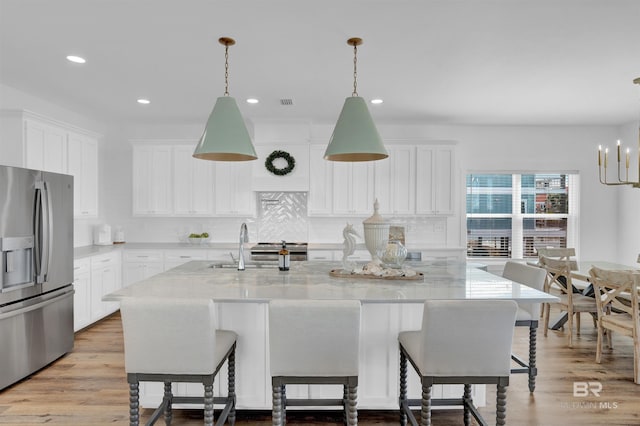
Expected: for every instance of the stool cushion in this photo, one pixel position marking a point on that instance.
(463, 338)
(531, 276)
(309, 338)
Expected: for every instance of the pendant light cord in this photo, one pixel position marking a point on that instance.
(355, 70)
(226, 70)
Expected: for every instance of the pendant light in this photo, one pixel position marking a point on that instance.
(355, 137)
(225, 137)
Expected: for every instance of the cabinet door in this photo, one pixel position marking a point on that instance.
(434, 171)
(193, 183)
(352, 188)
(152, 180)
(320, 182)
(233, 193)
(45, 147)
(395, 181)
(82, 162)
(81, 300)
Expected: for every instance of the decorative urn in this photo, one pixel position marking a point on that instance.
(376, 234)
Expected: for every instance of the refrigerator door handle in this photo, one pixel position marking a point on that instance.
(43, 230)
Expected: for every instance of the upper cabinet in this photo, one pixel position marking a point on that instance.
(82, 162)
(319, 202)
(352, 188)
(338, 188)
(152, 180)
(395, 181)
(434, 180)
(37, 142)
(168, 181)
(233, 193)
(192, 183)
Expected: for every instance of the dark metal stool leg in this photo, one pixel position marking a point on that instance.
(168, 400)
(352, 419)
(276, 402)
(533, 371)
(466, 398)
(232, 386)
(208, 405)
(425, 412)
(501, 405)
(403, 388)
(134, 405)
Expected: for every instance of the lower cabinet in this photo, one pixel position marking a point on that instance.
(378, 383)
(138, 265)
(93, 278)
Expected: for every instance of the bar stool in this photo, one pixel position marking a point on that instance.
(175, 340)
(461, 342)
(314, 342)
(527, 315)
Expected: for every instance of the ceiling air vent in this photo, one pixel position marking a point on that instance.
(286, 102)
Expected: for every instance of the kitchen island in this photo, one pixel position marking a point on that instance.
(388, 307)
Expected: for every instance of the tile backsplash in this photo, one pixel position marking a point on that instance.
(282, 216)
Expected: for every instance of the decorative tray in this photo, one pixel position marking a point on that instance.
(339, 273)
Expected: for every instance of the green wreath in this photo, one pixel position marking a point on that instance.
(291, 163)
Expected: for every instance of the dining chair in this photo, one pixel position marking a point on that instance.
(473, 348)
(558, 282)
(618, 304)
(527, 315)
(176, 340)
(314, 342)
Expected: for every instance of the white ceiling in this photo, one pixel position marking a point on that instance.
(432, 61)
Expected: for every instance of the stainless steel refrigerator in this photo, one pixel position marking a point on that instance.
(36, 263)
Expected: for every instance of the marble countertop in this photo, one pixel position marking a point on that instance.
(311, 280)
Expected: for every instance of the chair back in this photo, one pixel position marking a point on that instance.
(314, 338)
(169, 336)
(530, 276)
(558, 276)
(616, 291)
(467, 337)
(559, 253)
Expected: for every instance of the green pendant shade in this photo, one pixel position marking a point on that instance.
(225, 137)
(355, 137)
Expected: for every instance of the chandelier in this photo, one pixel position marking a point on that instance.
(627, 159)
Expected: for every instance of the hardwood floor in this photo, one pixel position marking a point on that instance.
(88, 387)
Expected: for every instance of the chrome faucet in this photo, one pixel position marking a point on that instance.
(244, 238)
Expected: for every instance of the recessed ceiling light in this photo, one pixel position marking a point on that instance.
(252, 101)
(76, 59)
(376, 101)
(144, 101)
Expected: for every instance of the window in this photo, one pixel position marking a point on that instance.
(511, 215)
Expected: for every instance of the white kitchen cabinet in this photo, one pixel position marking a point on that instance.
(138, 265)
(233, 192)
(82, 295)
(395, 181)
(152, 180)
(434, 180)
(45, 147)
(193, 185)
(106, 277)
(320, 182)
(352, 188)
(82, 162)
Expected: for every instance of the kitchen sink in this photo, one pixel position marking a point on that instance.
(247, 265)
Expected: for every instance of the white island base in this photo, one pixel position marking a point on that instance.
(378, 381)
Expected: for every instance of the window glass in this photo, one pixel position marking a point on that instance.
(511, 215)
